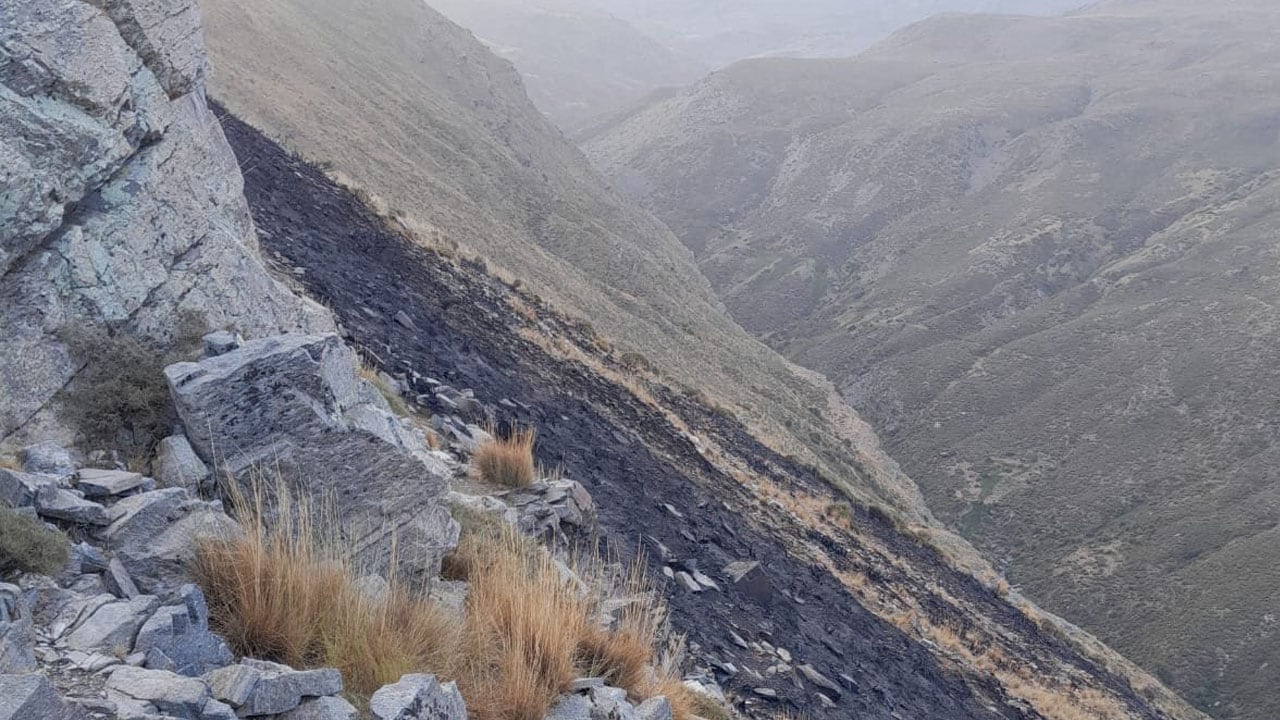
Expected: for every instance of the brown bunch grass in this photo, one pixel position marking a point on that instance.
(507, 460)
(284, 590)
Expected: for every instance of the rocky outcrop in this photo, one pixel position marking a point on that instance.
(120, 202)
(293, 406)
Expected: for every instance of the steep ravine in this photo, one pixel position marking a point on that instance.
(415, 310)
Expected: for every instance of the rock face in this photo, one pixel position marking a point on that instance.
(294, 405)
(120, 201)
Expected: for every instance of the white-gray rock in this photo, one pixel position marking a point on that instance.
(19, 489)
(280, 688)
(658, 708)
(17, 632)
(108, 483)
(46, 459)
(177, 638)
(121, 201)
(325, 708)
(233, 684)
(570, 707)
(293, 404)
(155, 535)
(59, 504)
(418, 697)
(177, 465)
(33, 697)
(113, 626)
(171, 694)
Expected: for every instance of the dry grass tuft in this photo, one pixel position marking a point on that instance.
(388, 393)
(507, 460)
(285, 591)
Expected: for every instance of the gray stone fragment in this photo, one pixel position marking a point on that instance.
(658, 708)
(46, 459)
(117, 580)
(17, 632)
(221, 343)
(583, 684)
(33, 697)
(748, 577)
(177, 465)
(570, 707)
(54, 502)
(688, 582)
(325, 708)
(108, 483)
(233, 684)
(418, 697)
(89, 558)
(19, 489)
(280, 688)
(820, 680)
(155, 535)
(178, 638)
(112, 627)
(610, 703)
(170, 694)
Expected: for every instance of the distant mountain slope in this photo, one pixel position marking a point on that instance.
(578, 63)
(413, 109)
(870, 623)
(1041, 255)
(718, 32)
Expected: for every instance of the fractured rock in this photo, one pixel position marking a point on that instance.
(165, 692)
(112, 626)
(294, 404)
(108, 483)
(19, 489)
(178, 638)
(177, 465)
(54, 502)
(17, 632)
(748, 577)
(658, 708)
(154, 534)
(325, 708)
(32, 696)
(280, 688)
(46, 459)
(418, 697)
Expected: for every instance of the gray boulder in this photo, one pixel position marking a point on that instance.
(177, 465)
(32, 697)
(258, 687)
(658, 708)
(553, 507)
(139, 692)
(110, 483)
(155, 535)
(325, 708)
(17, 632)
(571, 707)
(121, 201)
(46, 459)
(178, 639)
(113, 626)
(293, 404)
(418, 697)
(19, 489)
(54, 502)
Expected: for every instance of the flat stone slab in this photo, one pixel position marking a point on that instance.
(109, 483)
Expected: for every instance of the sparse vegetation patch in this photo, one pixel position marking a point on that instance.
(26, 545)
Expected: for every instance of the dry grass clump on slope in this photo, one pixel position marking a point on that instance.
(285, 591)
(507, 460)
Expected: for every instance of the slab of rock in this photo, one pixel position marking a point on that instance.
(280, 688)
(32, 697)
(325, 708)
(658, 708)
(233, 684)
(112, 626)
(820, 680)
(54, 502)
(17, 632)
(117, 581)
(418, 697)
(177, 465)
(139, 689)
(553, 507)
(19, 489)
(109, 483)
(178, 638)
(46, 459)
(749, 577)
(571, 707)
(294, 404)
(155, 535)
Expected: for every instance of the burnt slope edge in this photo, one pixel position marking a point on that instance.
(632, 459)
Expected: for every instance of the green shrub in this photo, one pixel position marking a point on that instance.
(120, 399)
(26, 545)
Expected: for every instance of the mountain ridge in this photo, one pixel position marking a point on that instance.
(1034, 253)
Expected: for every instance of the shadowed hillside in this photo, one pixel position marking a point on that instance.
(1040, 254)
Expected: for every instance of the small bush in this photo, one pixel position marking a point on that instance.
(841, 512)
(27, 546)
(121, 399)
(507, 460)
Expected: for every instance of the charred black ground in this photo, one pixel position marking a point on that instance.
(632, 461)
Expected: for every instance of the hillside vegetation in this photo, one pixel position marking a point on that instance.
(1039, 254)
